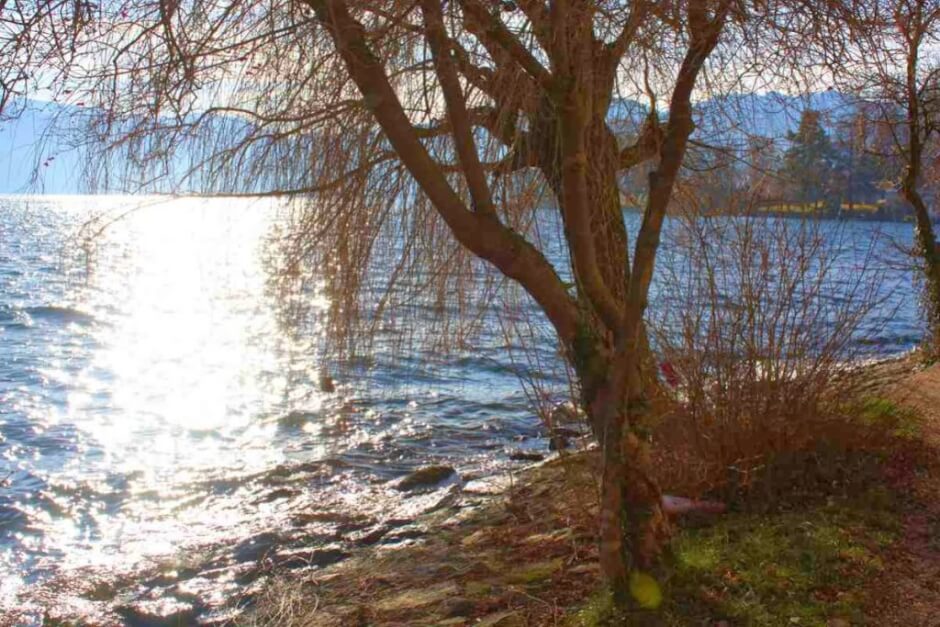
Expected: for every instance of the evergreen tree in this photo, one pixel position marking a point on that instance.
(810, 161)
(859, 170)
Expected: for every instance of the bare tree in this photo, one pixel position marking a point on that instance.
(438, 128)
(894, 68)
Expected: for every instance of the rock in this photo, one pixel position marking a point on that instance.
(567, 413)
(373, 536)
(560, 438)
(305, 558)
(402, 535)
(456, 606)
(295, 419)
(279, 473)
(274, 495)
(502, 619)
(344, 523)
(326, 383)
(164, 612)
(410, 599)
(425, 477)
(587, 568)
(255, 547)
(532, 573)
(523, 456)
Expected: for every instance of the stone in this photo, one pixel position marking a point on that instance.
(477, 537)
(426, 477)
(304, 558)
(410, 599)
(402, 535)
(532, 573)
(456, 606)
(371, 537)
(502, 619)
(568, 412)
(274, 495)
(164, 612)
(524, 456)
(255, 547)
(560, 438)
(295, 419)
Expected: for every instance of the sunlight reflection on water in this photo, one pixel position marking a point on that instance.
(151, 398)
(164, 369)
(152, 403)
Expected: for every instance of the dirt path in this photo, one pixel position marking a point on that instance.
(909, 593)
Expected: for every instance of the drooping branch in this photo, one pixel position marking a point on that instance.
(481, 233)
(502, 43)
(704, 32)
(456, 108)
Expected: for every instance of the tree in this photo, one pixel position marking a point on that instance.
(444, 123)
(895, 72)
(809, 161)
(859, 170)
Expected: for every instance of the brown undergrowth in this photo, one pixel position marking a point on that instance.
(817, 535)
(525, 557)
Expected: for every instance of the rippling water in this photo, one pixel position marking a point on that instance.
(152, 405)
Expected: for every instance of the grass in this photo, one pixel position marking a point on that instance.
(901, 422)
(803, 545)
(796, 567)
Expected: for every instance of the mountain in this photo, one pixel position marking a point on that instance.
(33, 159)
(731, 119)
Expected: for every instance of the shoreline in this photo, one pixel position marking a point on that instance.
(456, 508)
(526, 555)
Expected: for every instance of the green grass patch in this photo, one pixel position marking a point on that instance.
(794, 567)
(901, 422)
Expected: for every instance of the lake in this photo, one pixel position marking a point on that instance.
(153, 401)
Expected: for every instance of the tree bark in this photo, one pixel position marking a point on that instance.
(930, 255)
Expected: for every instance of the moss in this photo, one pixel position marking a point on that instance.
(597, 611)
(800, 566)
(533, 573)
(477, 588)
(588, 362)
(902, 422)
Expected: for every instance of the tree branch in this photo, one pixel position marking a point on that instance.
(494, 34)
(482, 234)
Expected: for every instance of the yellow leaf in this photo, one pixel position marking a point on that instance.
(645, 590)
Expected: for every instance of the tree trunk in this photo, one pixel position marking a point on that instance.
(633, 525)
(927, 247)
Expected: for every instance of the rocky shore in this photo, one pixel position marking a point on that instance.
(520, 549)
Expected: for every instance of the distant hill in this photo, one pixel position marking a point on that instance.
(731, 119)
(33, 160)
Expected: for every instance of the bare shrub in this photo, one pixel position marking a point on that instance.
(767, 316)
